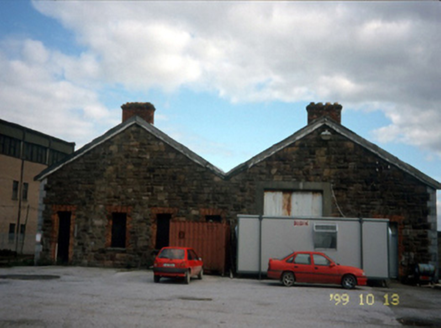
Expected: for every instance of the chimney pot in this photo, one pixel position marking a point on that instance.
(145, 110)
(315, 111)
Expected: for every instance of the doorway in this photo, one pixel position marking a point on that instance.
(63, 237)
(162, 230)
(393, 250)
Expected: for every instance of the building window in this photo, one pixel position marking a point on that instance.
(119, 221)
(25, 191)
(35, 153)
(55, 156)
(213, 218)
(325, 236)
(14, 190)
(9, 146)
(11, 235)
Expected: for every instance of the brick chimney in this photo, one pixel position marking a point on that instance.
(315, 111)
(144, 110)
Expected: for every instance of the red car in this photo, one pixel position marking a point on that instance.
(177, 262)
(314, 267)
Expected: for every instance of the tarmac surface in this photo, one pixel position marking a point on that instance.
(56, 296)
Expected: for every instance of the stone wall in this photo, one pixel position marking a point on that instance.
(364, 185)
(146, 176)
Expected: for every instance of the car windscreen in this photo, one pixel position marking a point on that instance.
(173, 254)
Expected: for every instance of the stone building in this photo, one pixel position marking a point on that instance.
(23, 154)
(111, 202)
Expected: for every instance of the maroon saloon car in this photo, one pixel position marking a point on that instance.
(177, 262)
(314, 267)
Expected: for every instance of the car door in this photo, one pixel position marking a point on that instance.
(193, 262)
(302, 267)
(325, 270)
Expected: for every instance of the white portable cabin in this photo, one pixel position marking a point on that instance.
(359, 242)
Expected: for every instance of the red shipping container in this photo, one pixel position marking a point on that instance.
(210, 240)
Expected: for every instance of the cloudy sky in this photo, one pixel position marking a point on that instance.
(228, 79)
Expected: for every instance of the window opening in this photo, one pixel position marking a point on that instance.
(213, 218)
(11, 235)
(25, 190)
(15, 190)
(325, 236)
(119, 221)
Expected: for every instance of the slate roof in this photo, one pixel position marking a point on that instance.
(134, 120)
(323, 121)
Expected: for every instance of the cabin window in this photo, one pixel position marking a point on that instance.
(325, 236)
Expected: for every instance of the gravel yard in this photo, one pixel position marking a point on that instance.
(85, 297)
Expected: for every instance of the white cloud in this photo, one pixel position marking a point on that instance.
(34, 94)
(354, 53)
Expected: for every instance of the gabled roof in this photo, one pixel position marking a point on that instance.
(135, 120)
(325, 121)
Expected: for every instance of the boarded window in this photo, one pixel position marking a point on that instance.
(293, 203)
(325, 236)
(119, 221)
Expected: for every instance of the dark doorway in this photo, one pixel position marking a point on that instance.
(162, 230)
(393, 250)
(119, 221)
(63, 237)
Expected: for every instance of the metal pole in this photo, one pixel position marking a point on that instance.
(361, 243)
(260, 247)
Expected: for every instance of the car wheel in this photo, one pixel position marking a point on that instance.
(348, 281)
(187, 277)
(156, 278)
(288, 279)
(201, 274)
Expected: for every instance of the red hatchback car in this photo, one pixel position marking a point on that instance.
(177, 262)
(314, 267)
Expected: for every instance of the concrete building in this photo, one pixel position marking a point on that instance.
(111, 202)
(23, 154)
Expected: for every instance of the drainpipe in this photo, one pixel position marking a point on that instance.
(20, 192)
